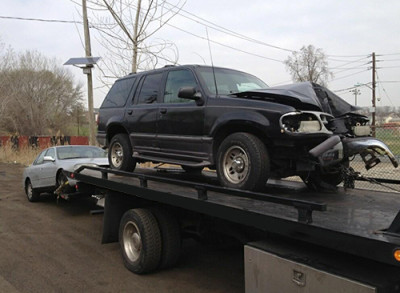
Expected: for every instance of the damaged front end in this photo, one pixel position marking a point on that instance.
(347, 135)
(368, 148)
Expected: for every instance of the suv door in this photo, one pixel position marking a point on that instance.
(141, 114)
(180, 121)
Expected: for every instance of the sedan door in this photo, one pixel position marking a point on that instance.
(49, 169)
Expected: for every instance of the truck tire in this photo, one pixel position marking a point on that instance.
(140, 241)
(120, 153)
(170, 237)
(243, 162)
(32, 194)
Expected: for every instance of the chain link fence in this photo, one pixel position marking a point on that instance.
(390, 135)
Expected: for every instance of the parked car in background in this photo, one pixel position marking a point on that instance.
(200, 116)
(45, 173)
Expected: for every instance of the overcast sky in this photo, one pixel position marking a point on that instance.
(347, 31)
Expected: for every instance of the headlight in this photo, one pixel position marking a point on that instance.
(303, 122)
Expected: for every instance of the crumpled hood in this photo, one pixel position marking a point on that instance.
(304, 96)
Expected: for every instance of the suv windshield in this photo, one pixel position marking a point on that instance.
(230, 81)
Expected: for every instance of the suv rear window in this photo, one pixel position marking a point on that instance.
(119, 93)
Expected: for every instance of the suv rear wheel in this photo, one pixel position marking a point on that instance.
(243, 162)
(120, 153)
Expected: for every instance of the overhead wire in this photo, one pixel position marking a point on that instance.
(222, 29)
(342, 77)
(383, 88)
(224, 45)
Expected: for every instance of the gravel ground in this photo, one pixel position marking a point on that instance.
(55, 247)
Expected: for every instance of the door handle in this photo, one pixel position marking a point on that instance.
(163, 111)
(129, 112)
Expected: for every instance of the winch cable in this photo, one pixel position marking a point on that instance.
(349, 176)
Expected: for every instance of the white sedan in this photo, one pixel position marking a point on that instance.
(45, 173)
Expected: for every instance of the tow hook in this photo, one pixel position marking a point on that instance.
(349, 177)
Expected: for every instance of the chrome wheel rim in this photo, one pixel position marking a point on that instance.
(117, 155)
(235, 164)
(132, 241)
(29, 190)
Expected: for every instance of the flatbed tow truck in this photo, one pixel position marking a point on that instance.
(295, 240)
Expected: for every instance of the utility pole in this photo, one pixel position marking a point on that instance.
(92, 138)
(373, 94)
(355, 92)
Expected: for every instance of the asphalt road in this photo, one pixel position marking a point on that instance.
(55, 247)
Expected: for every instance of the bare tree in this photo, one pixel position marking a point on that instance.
(129, 35)
(36, 94)
(309, 64)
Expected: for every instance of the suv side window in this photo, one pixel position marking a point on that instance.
(118, 94)
(149, 91)
(175, 80)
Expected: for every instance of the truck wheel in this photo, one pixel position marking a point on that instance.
(140, 241)
(120, 153)
(31, 193)
(243, 162)
(170, 237)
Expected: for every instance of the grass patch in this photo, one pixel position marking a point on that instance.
(391, 137)
(23, 156)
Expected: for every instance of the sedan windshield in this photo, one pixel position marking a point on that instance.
(229, 81)
(73, 152)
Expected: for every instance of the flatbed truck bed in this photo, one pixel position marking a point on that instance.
(362, 224)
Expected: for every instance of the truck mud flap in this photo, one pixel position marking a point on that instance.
(114, 207)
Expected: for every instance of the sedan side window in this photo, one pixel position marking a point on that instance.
(177, 79)
(51, 153)
(39, 159)
(149, 92)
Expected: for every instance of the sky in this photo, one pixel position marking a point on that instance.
(347, 31)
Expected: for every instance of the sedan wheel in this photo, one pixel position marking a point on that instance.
(30, 192)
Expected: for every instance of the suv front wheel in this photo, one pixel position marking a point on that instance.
(243, 162)
(120, 153)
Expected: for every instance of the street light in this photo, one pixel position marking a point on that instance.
(355, 92)
(86, 64)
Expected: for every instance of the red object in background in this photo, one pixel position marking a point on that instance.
(43, 141)
(79, 140)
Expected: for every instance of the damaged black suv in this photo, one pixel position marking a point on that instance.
(223, 119)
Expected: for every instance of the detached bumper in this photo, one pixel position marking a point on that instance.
(334, 149)
(367, 146)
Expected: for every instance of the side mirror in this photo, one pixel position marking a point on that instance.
(48, 159)
(190, 93)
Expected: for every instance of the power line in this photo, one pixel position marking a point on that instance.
(384, 90)
(224, 45)
(40, 19)
(346, 56)
(222, 29)
(350, 75)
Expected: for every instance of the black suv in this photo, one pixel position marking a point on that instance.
(223, 119)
